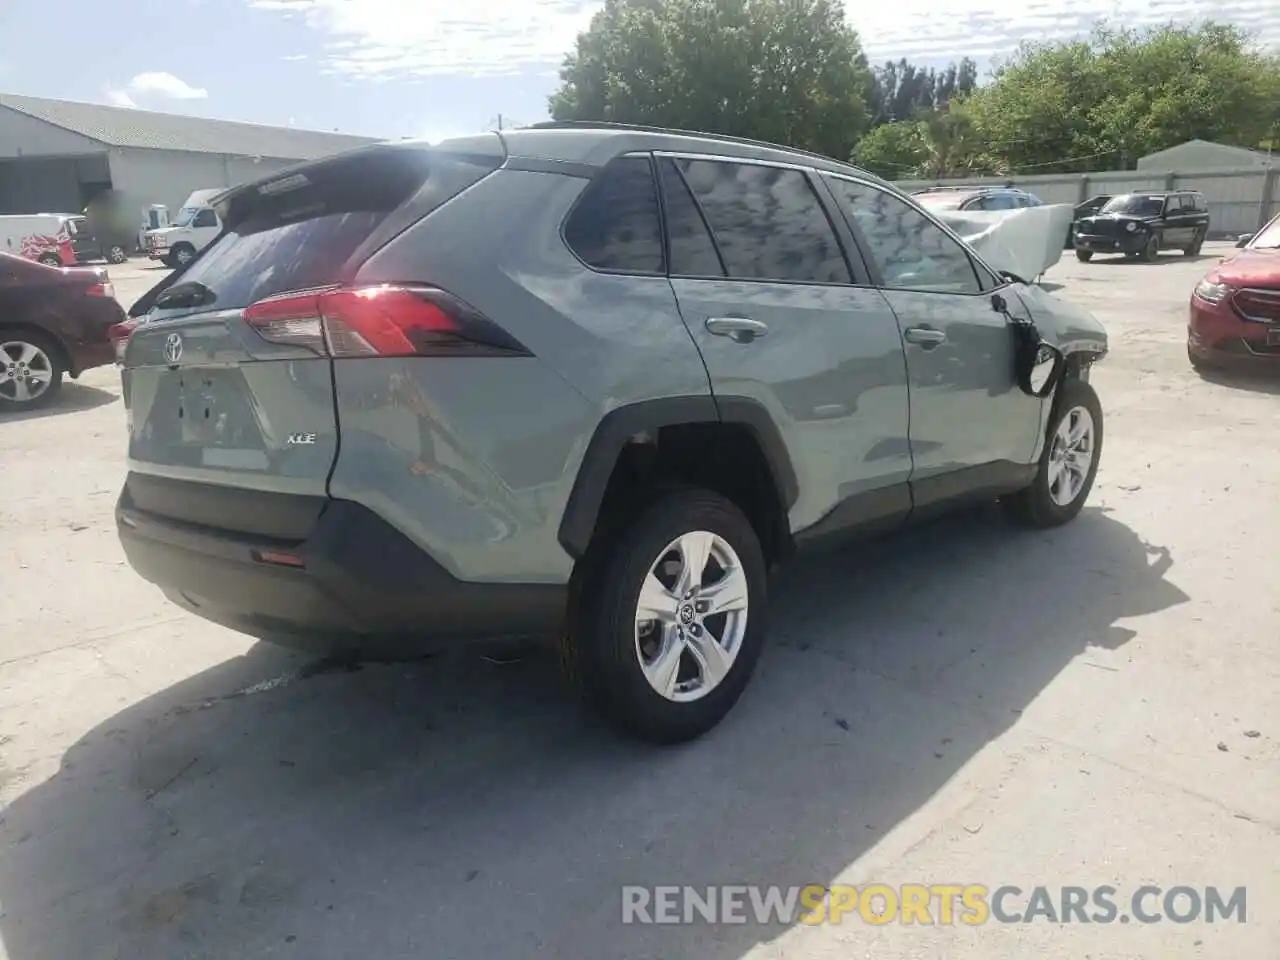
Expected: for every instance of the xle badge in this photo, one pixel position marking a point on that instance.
(301, 438)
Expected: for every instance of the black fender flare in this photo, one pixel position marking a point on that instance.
(621, 424)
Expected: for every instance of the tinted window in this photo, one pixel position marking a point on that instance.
(997, 201)
(1135, 204)
(615, 225)
(693, 252)
(912, 252)
(205, 218)
(767, 222)
(245, 265)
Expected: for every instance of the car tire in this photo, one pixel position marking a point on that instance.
(1084, 256)
(1046, 502)
(43, 354)
(1197, 364)
(1196, 243)
(611, 655)
(116, 254)
(50, 260)
(1151, 252)
(182, 254)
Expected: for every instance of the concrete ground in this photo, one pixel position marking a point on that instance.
(964, 704)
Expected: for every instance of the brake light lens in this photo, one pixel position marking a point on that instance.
(386, 320)
(118, 334)
(104, 289)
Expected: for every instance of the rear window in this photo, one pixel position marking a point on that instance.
(301, 230)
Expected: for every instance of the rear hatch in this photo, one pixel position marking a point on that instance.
(218, 392)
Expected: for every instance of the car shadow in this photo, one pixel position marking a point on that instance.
(461, 807)
(1163, 260)
(74, 398)
(1251, 382)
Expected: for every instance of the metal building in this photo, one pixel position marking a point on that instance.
(1199, 155)
(57, 155)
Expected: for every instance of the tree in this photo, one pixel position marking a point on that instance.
(901, 90)
(1124, 93)
(943, 143)
(787, 71)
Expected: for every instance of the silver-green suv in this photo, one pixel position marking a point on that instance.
(578, 380)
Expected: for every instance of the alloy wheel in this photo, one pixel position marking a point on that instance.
(25, 371)
(691, 616)
(1071, 456)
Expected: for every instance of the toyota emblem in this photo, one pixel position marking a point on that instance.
(173, 348)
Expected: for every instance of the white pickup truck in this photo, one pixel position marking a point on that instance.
(195, 226)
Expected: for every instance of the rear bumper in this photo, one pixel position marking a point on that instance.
(362, 587)
(87, 356)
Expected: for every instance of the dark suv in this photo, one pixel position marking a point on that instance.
(585, 381)
(1140, 225)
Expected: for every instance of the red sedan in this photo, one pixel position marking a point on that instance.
(53, 323)
(1235, 309)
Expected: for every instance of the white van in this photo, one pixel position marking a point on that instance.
(194, 227)
(45, 237)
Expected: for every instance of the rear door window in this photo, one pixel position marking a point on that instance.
(767, 222)
(693, 251)
(615, 226)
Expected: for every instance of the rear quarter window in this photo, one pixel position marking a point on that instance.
(615, 227)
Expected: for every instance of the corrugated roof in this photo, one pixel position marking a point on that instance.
(146, 129)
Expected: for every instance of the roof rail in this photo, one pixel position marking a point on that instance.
(969, 186)
(644, 128)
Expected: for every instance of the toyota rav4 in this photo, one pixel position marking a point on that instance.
(582, 381)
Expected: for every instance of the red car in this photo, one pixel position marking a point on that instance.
(53, 322)
(1235, 309)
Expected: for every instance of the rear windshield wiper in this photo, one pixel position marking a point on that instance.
(189, 293)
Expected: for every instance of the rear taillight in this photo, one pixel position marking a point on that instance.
(380, 321)
(104, 289)
(118, 334)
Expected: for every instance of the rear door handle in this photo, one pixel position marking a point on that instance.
(739, 329)
(925, 336)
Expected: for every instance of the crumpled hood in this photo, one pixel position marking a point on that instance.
(1062, 323)
(1026, 242)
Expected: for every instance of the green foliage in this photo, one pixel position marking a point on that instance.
(901, 90)
(793, 72)
(786, 71)
(1124, 93)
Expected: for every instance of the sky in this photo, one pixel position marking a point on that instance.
(439, 68)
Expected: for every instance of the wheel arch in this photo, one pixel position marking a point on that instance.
(641, 422)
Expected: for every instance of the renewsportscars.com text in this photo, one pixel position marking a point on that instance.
(931, 904)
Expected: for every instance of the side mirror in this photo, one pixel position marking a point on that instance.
(1045, 370)
(1243, 239)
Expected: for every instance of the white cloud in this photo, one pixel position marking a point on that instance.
(377, 39)
(154, 86)
(949, 29)
(382, 39)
